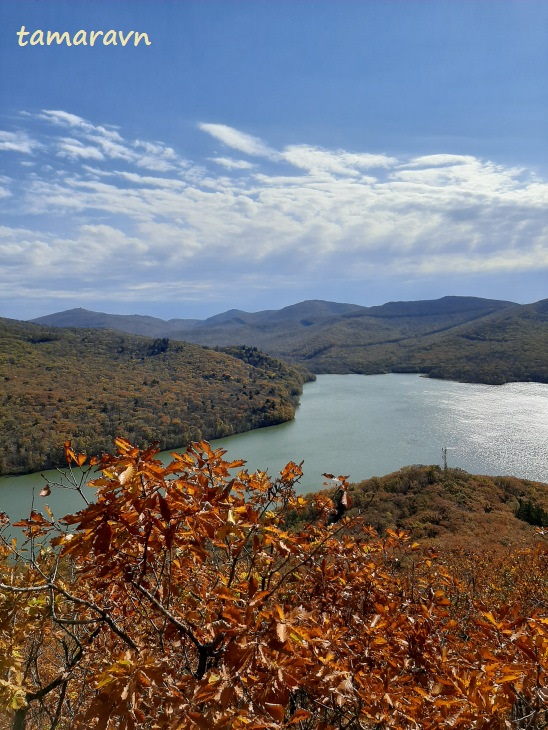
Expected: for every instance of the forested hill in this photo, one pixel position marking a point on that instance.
(299, 329)
(511, 345)
(507, 345)
(453, 507)
(449, 508)
(91, 386)
(460, 338)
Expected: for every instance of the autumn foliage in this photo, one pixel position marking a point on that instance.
(180, 597)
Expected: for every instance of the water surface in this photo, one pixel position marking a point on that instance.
(372, 425)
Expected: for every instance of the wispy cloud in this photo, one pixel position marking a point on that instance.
(17, 142)
(73, 148)
(340, 162)
(64, 119)
(231, 164)
(105, 142)
(101, 213)
(237, 140)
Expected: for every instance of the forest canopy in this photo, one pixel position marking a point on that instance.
(91, 386)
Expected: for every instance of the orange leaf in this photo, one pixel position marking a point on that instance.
(298, 716)
(253, 585)
(258, 597)
(226, 593)
(275, 711)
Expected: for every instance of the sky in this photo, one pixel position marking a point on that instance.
(257, 153)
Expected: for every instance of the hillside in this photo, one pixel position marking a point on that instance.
(451, 508)
(91, 386)
(234, 327)
(291, 330)
(460, 338)
(508, 345)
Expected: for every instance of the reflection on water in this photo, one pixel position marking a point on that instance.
(371, 425)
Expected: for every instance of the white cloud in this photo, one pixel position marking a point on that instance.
(100, 142)
(156, 148)
(301, 213)
(439, 160)
(5, 182)
(317, 160)
(62, 118)
(17, 142)
(163, 182)
(240, 141)
(467, 174)
(231, 164)
(65, 119)
(73, 149)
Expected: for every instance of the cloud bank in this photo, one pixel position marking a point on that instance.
(90, 213)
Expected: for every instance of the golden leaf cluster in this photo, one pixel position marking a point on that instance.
(180, 597)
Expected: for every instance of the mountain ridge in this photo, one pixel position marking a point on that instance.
(458, 338)
(80, 317)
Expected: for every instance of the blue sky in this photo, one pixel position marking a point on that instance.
(263, 152)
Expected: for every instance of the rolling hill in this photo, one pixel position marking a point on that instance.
(91, 386)
(134, 324)
(449, 508)
(453, 507)
(460, 338)
(508, 345)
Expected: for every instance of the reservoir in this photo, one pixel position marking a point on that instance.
(371, 425)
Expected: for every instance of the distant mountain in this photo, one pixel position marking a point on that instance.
(303, 314)
(511, 345)
(308, 313)
(445, 306)
(135, 324)
(254, 328)
(462, 338)
(232, 317)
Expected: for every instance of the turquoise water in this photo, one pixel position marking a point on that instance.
(372, 425)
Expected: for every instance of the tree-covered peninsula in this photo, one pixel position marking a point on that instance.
(90, 386)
